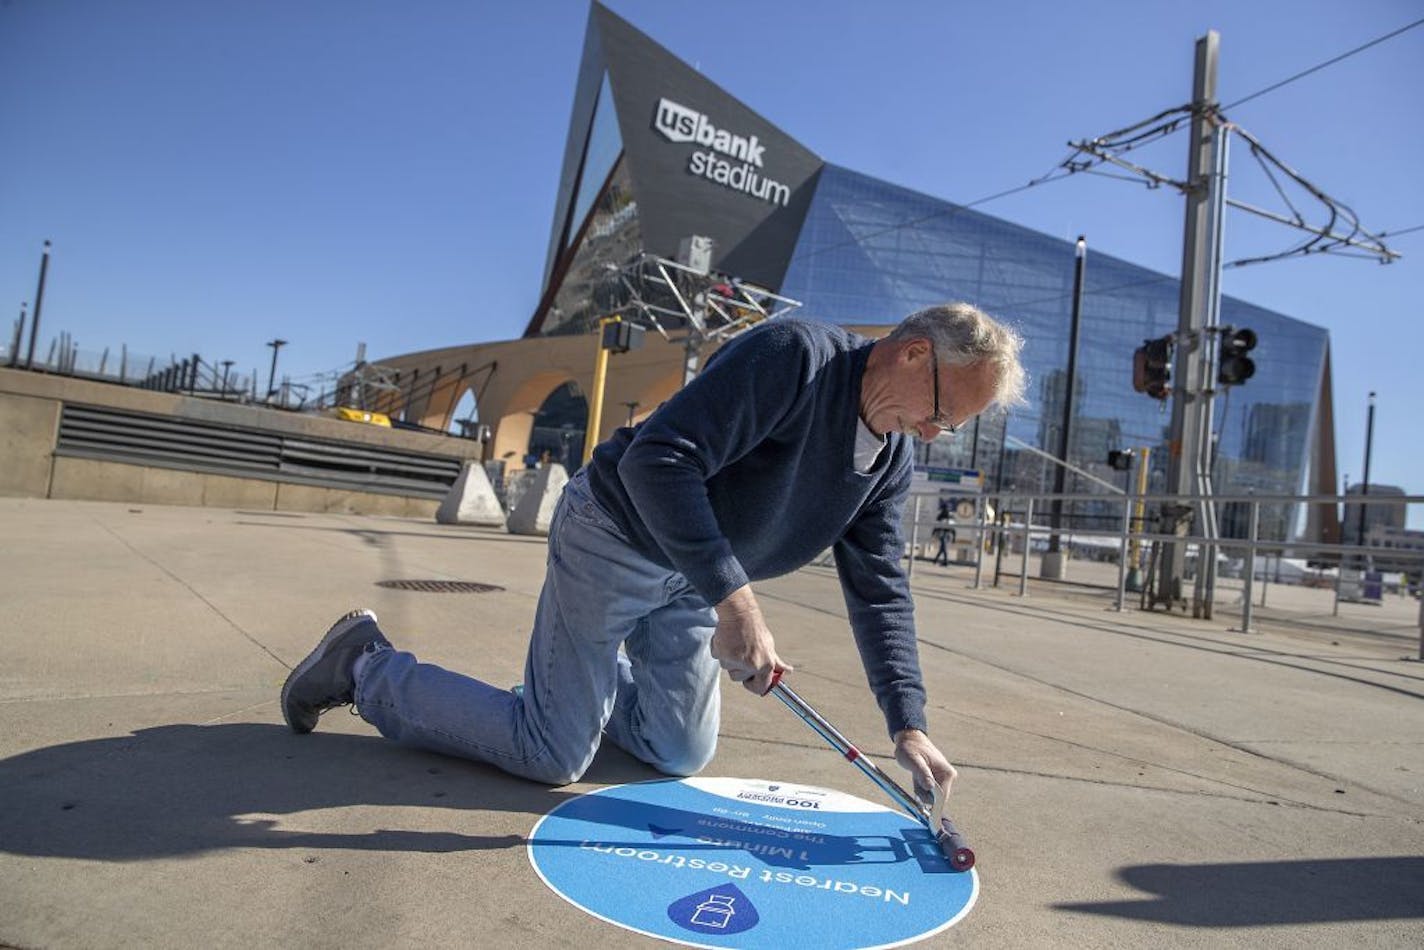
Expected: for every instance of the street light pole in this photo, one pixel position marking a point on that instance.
(19, 337)
(1052, 565)
(1369, 444)
(276, 345)
(39, 303)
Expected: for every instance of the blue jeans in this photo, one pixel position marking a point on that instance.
(658, 699)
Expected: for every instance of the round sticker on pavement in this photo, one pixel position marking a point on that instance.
(725, 862)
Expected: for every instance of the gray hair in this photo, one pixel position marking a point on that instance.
(964, 335)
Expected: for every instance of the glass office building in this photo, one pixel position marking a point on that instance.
(657, 153)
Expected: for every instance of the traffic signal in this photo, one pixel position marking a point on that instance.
(1233, 366)
(1152, 367)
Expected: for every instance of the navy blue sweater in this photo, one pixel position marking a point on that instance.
(749, 473)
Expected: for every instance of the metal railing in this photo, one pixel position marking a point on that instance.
(190, 375)
(1008, 522)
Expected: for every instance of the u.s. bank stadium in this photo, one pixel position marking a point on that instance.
(662, 165)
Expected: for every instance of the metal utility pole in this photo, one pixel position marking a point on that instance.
(1204, 356)
(39, 302)
(1053, 561)
(1365, 488)
(272, 374)
(1188, 471)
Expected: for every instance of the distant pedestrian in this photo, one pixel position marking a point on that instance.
(943, 532)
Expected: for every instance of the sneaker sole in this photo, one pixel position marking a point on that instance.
(315, 656)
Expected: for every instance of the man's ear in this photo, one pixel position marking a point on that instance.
(915, 350)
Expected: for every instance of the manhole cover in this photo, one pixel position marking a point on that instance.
(440, 587)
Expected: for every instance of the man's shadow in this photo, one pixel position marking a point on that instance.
(187, 789)
(1270, 893)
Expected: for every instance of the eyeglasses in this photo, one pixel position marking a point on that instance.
(939, 421)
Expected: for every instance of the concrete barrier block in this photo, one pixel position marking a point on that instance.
(471, 500)
(536, 508)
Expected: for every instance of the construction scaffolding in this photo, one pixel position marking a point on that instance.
(686, 301)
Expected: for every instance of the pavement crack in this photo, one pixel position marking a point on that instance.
(1116, 629)
(1133, 760)
(1174, 638)
(1164, 721)
(1273, 801)
(196, 593)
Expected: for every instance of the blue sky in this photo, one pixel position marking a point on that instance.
(215, 174)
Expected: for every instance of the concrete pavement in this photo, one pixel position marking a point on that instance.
(1127, 779)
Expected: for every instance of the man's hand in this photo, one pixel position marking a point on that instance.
(915, 751)
(742, 643)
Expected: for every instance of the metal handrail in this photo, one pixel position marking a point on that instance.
(1003, 525)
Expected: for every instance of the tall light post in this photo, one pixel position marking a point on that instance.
(39, 303)
(1052, 565)
(1369, 444)
(19, 337)
(276, 345)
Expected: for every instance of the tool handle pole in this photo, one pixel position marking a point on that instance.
(813, 719)
(853, 755)
(950, 841)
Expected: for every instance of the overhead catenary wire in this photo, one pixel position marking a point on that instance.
(1121, 142)
(1017, 305)
(1329, 62)
(1324, 239)
(1135, 179)
(1182, 111)
(1163, 124)
(1107, 149)
(1053, 174)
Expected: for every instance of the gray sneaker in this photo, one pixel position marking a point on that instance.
(324, 679)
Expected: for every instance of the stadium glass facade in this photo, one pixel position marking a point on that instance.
(859, 251)
(606, 208)
(858, 262)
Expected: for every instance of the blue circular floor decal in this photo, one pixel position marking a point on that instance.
(725, 862)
